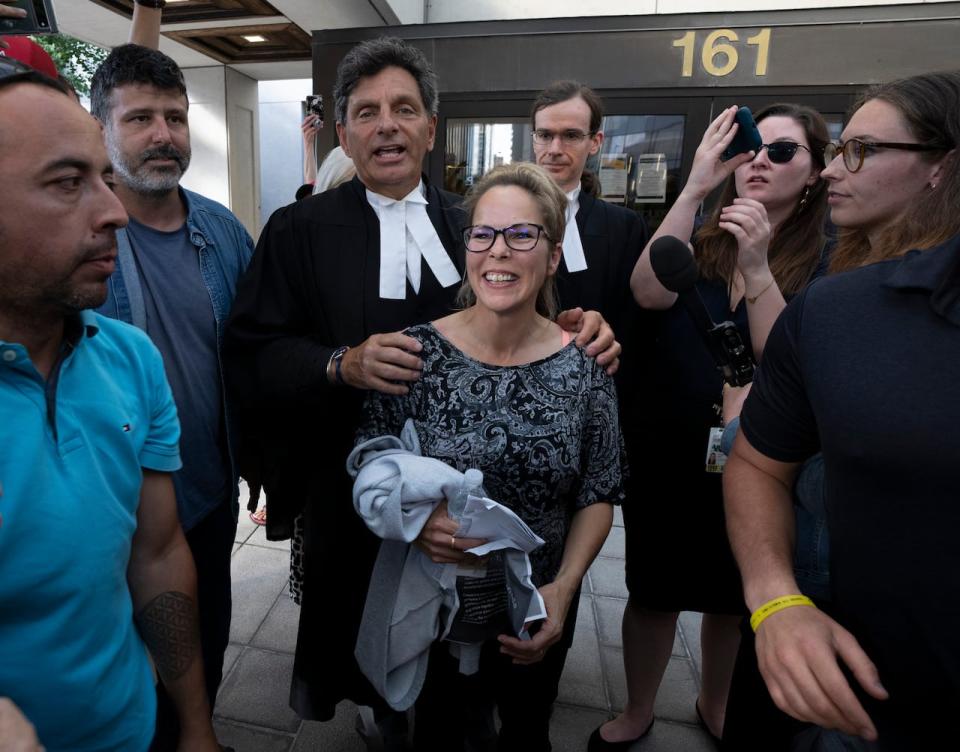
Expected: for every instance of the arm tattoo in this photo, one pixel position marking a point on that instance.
(168, 626)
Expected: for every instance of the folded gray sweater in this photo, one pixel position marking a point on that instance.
(412, 600)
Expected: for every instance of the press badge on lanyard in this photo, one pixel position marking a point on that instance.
(715, 459)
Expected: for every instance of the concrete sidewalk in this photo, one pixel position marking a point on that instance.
(252, 714)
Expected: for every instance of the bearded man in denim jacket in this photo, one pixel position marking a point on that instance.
(178, 262)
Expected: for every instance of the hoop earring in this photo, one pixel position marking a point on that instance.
(804, 199)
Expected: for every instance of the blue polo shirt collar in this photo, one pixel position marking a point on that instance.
(936, 271)
(75, 328)
(88, 320)
(78, 326)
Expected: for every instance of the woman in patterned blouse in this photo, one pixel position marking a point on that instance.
(503, 391)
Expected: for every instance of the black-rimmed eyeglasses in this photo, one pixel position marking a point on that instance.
(543, 137)
(518, 237)
(781, 152)
(854, 150)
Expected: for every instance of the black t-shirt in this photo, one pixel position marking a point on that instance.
(866, 366)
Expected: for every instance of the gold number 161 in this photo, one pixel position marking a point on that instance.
(717, 44)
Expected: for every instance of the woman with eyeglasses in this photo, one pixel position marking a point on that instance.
(879, 191)
(893, 186)
(764, 242)
(504, 391)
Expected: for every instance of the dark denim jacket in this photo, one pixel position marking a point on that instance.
(225, 248)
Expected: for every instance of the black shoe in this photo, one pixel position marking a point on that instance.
(598, 744)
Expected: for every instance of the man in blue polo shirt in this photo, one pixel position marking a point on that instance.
(93, 564)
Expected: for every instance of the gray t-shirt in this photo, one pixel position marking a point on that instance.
(181, 323)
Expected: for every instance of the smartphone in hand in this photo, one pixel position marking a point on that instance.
(39, 19)
(747, 138)
(315, 108)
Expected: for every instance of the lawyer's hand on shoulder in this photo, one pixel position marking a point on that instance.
(381, 361)
(594, 333)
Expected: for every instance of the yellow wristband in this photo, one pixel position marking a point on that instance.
(777, 604)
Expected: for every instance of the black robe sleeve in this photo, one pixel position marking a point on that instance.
(295, 305)
(272, 347)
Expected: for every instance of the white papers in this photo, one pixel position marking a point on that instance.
(651, 178)
(486, 518)
(614, 171)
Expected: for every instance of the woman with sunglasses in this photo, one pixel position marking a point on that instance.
(764, 241)
(503, 391)
(893, 186)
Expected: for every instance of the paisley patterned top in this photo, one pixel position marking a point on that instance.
(545, 434)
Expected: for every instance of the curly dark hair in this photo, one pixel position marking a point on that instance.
(132, 64)
(370, 57)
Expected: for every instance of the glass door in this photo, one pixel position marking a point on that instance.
(646, 148)
(640, 162)
(476, 145)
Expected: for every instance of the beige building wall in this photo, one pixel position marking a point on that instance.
(440, 11)
(224, 135)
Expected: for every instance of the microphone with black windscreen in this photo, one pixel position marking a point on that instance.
(676, 269)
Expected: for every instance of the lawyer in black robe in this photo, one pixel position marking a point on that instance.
(613, 238)
(313, 286)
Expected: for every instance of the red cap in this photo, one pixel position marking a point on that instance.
(27, 51)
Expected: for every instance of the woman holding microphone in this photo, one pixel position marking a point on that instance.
(762, 244)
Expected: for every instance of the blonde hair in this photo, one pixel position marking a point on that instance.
(336, 168)
(552, 203)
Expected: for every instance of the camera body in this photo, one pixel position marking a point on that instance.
(732, 358)
(747, 138)
(39, 20)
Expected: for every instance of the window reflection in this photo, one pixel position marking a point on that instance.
(478, 145)
(638, 166)
(834, 125)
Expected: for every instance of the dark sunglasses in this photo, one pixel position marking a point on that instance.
(781, 152)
